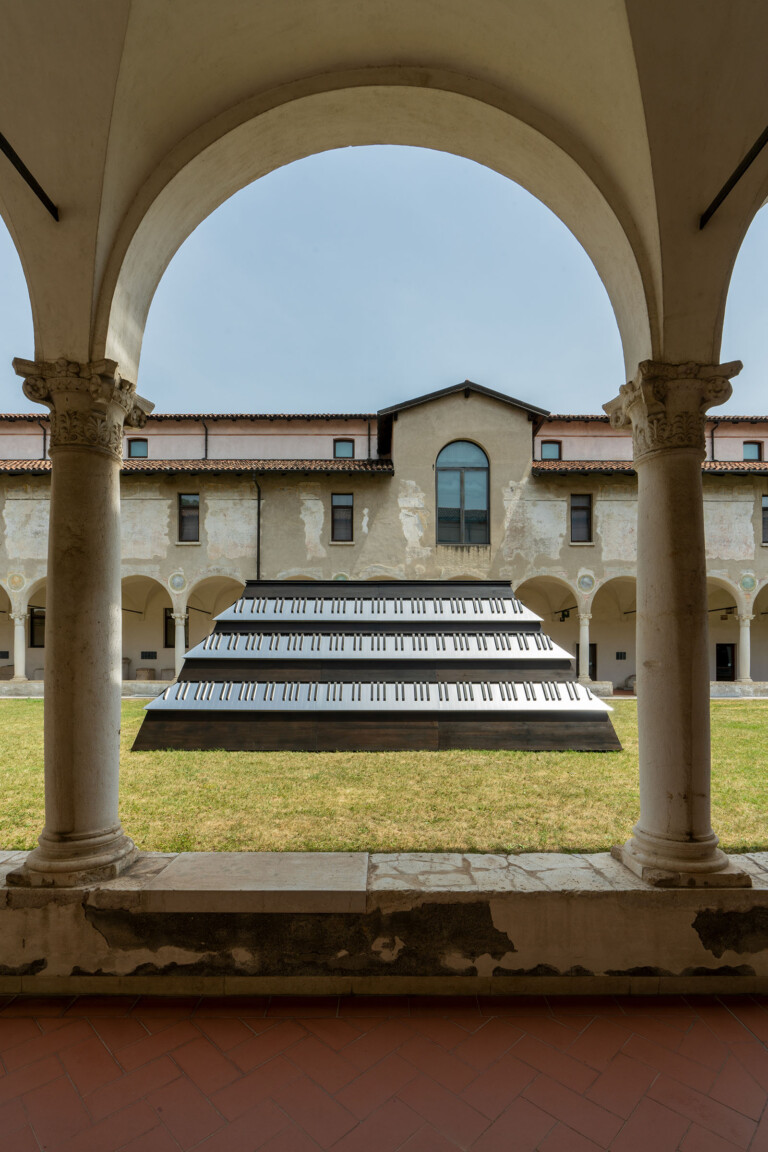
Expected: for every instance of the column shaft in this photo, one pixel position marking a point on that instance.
(584, 619)
(744, 656)
(19, 645)
(180, 621)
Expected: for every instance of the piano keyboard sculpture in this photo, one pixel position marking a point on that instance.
(330, 665)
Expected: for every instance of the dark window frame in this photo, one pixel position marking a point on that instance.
(343, 440)
(138, 455)
(37, 627)
(758, 444)
(462, 542)
(764, 510)
(338, 524)
(182, 521)
(552, 443)
(588, 506)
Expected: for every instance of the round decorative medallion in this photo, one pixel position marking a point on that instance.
(177, 582)
(748, 582)
(16, 581)
(586, 582)
(341, 576)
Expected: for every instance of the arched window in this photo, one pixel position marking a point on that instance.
(462, 494)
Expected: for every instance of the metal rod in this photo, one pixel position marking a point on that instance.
(733, 180)
(27, 176)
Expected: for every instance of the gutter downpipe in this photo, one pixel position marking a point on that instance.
(258, 528)
(205, 448)
(45, 437)
(715, 424)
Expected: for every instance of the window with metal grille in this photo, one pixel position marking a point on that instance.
(342, 509)
(462, 477)
(581, 518)
(149, 655)
(621, 655)
(189, 517)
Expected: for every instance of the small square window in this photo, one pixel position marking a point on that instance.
(344, 449)
(621, 655)
(581, 519)
(189, 517)
(149, 655)
(342, 508)
(551, 450)
(753, 450)
(137, 449)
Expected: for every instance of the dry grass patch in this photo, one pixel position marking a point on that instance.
(390, 801)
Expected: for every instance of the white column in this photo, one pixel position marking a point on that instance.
(673, 843)
(744, 655)
(584, 619)
(180, 620)
(19, 645)
(82, 840)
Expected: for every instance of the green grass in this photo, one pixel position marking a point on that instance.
(384, 802)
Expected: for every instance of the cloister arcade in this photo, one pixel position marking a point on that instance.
(608, 113)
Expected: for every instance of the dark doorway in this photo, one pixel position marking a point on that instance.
(592, 661)
(725, 662)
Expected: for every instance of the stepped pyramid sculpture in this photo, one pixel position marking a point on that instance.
(377, 665)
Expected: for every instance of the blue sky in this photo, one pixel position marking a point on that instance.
(360, 277)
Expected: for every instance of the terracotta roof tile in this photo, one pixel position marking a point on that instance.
(627, 467)
(378, 467)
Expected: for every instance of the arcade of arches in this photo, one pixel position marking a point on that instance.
(624, 116)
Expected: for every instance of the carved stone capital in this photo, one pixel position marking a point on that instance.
(179, 617)
(19, 617)
(745, 618)
(89, 403)
(666, 404)
(585, 615)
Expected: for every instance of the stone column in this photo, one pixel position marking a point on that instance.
(744, 656)
(673, 843)
(584, 619)
(82, 840)
(180, 620)
(19, 645)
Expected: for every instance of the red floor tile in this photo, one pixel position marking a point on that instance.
(425, 1074)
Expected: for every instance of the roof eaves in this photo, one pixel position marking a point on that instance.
(466, 385)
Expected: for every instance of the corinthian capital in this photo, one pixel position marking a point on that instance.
(666, 404)
(89, 403)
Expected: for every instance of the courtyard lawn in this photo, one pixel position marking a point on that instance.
(390, 801)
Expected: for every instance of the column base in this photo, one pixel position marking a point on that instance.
(75, 862)
(19, 680)
(722, 874)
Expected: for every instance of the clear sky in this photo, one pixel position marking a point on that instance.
(358, 278)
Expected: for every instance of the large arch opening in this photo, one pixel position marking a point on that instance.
(251, 141)
(6, 636)
(723, 618)
(612, 630)
(206, 599)
(146, 651)
(557, 603)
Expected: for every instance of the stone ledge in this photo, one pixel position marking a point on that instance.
(239, 923)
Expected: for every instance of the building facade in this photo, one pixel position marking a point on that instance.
(461, 483)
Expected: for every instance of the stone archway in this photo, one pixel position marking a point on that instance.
(723, 609)
(556, 602)
(612, 628)
(6, 635)
(206, 599)
(145, 604)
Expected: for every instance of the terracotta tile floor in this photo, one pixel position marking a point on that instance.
(369, 1074)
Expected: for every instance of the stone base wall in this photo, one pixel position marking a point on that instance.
(213, 923)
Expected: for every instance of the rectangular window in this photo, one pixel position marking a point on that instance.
(189, 516)
(342, 507)
(765, 519)
(169, 629)
(344, 449)
(37, 627)
(621, 655)
(753, 450)
(137, 449)
(551, 450)
(581, 519)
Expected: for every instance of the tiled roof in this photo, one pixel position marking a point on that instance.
(380, 467)
(713, 418)
(213, 416)
(627, 467)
